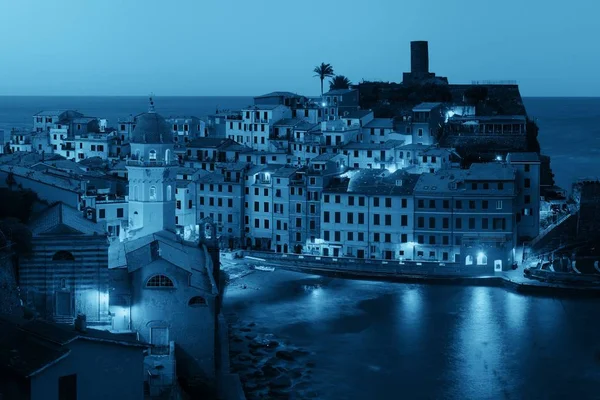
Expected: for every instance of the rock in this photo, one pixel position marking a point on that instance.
(245, 329)
(281, 382)
(244, 357)
(310, 364)
(278, 395)
(312, 395)
(251, 324)
(296, 373)
(255, 345)
(237, 340)
(257, 374)
(269, 371)
(284, 355)
(257, 352)
(302, 385)
(300, 353)
(250, 337)
(272, 344)
(233, 353)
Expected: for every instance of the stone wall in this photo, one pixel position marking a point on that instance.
(486, 143)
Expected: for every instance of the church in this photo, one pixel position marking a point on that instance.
(151, 282)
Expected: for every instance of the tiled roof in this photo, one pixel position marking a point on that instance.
(64, 219)
(374, 182)
(439, 181)
(68, 183)
(27, 347)
(426, 106)
(385, 123)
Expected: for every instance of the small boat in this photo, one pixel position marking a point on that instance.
(263, 268)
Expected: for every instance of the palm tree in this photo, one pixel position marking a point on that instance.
(339, 82)
(323, 71)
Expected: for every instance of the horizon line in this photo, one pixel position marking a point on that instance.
(190, 95)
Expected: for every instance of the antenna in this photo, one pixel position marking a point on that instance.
(151, 108)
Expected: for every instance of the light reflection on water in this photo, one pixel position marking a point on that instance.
(374, 339)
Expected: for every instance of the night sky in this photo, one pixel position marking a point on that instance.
(240, 47)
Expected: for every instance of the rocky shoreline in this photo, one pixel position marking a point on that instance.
(268, 367)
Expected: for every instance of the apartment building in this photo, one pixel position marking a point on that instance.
(221, 196)
(467, 216)
(339, 101)
(255, 127)
(378, 130)
(368, 214)
(338, 133)
(527, 166)
(375, 155)
(306, 189)
(426, 122)
(186, 128)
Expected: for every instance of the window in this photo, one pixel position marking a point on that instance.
(388, 220)
(445, 223)
(197, 301)
(388, 202)
(404, 203)
(458, 223)
(471, 223)
(527, 167)
(338, 217)
(361, 201)
(471, 204)
(527, 199)
(160, 281)
(458, 204)
(484, 223)
(152, 155)
(527, 183)
(178, 204)
(481, 259)
(431, 203)
(169, 194)
(102, 213)
(67, 387)
(351, 200)
(350, 218)
(376, 219)
(484, 204)
(469, 260)
(326, 217)
(421, 203)
(420, 222)
(375, 201)
(119, 213)
(500, 185)
(403, 238)
(432, 222)
(404, 220)
(63, 255)
(446, 204)
(152, 192)
(499, 205)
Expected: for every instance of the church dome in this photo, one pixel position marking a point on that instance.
(151, 128)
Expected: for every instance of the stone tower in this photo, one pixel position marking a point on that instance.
(151, 176)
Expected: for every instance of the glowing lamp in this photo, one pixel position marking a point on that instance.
(323, 104)
(481, 254)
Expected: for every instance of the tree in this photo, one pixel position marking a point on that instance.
(323, 71)
(339, 82)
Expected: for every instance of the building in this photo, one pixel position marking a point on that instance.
(467, 217)
(427, 123)
(44, 361)
(378, 130)
(152, 176)
(498, 132)
(186, 129)
(67, 273)
(588, 218)
(254, 129)
(367, 214)
(338, 102)
(527, 166)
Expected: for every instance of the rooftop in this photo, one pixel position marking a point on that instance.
(439, 182)
(338, 92)
(389, 144)
(374, 182)
(208, 142)
(522, 157)
(385, 123)
(262, 107)
(424, 107)
(278, 94)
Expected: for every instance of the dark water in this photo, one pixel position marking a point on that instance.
(377, 340)
(569, 127)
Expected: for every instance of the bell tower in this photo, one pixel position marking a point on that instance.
(152, 178)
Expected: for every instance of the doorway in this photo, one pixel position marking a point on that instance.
(498, 265)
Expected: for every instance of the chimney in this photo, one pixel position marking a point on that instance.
(81, 323)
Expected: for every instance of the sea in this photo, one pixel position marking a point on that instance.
(569, 126)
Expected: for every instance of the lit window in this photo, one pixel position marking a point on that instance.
(152, 155)
(469, 260)
(152, 192)
(160, 281)
(481, 259)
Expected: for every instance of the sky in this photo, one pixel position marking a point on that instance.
(246, 48)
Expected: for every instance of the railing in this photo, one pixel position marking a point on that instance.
(548, 230)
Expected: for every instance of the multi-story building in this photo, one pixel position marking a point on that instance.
(426, 123)
(221, 197)
(305, 194)
(368, 214)
(20, 141)
(375, 155)
(467, 216)
(378, 130)
(337, 133)
(94, 144)
(339, 101)
(108, 210)
(527, 207)
(255, 127)
(496, 132)
(186, 129)
(46, 120)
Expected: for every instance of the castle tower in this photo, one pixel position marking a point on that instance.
(151, 176)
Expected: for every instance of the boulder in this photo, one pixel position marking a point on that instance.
(284, 355)
(269, 371)
(245, 329)
(310, 364)
(252, 336)
(244, 357)
(281, 382)
(272, 344)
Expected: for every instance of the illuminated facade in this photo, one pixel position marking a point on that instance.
(368, 214)
(467, 216)
(67, 273)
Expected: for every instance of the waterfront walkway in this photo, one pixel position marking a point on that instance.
(513, 279)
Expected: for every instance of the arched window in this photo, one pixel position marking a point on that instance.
(135, 193)
(152, 192)
(167, 155)
(169, 190)
(152, 155)
(137, 154)
(160, 281)
(469, 260)
(481, 259)
(63, 255)
(197, 301)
